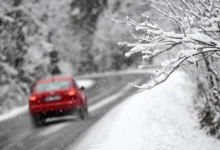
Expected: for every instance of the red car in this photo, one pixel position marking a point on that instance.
(56, 96)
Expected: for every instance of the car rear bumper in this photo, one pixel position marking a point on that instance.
(51, 107)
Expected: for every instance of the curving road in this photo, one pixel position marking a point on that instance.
(61, 133)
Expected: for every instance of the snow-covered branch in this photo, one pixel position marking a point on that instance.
(200, 25)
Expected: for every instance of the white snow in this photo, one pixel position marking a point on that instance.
(51, 129)
(13, 113)
(86, 83)
(111, 98)
(158, 119)
(9, 69)
(66, 67)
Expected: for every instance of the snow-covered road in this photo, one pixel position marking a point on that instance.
(104, 93)
(159, 119)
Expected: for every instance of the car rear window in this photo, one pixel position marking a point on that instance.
(51, 86)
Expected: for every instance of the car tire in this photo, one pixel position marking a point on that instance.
(87, 112)
(82, 113)
(37, 120)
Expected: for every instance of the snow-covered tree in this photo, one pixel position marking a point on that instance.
(24, 53)
(107, 54)
(196, 42)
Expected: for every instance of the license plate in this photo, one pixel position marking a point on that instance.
(52, 98)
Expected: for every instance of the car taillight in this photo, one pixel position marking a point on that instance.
(72, 93)
(32, 98)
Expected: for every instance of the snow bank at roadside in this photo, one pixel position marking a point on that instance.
(13, 113)
(86, 83)
(159, 119)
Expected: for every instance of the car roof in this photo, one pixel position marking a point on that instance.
(54, 79)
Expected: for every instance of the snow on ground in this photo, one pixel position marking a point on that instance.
(158, 119)
(86, 83)
(14, 113)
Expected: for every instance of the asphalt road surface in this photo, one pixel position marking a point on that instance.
(61, 133)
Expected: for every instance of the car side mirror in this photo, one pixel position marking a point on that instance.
(82, 88)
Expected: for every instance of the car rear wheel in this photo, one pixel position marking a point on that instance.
(86, 111)
(37, 120)
(82, 113)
